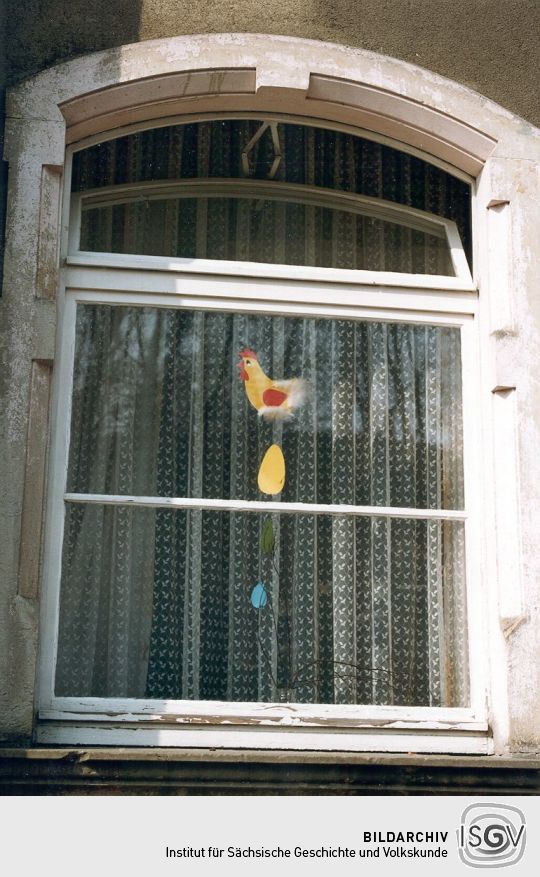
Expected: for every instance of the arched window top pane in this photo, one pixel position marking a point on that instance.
(253, 221)
(276, 225)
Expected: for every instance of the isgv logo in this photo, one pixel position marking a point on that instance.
(491, 835)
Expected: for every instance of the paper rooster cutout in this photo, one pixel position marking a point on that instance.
(274, 400)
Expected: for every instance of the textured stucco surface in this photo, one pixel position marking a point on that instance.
(488, 45)
(3, 166)
(501, 65)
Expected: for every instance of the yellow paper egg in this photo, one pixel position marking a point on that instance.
(272, 471)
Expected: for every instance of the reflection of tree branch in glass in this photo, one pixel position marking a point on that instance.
(156, 602)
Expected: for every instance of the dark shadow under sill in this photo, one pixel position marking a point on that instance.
(171, 771)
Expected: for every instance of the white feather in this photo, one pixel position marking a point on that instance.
(296, 394)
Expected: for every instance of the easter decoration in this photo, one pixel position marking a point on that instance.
(277, 400)
(271, 477)
(259, 596)
(272, 399)
(305, 675)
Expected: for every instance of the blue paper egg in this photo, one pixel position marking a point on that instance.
(259, 597)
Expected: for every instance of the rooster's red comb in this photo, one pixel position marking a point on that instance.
(247, 352)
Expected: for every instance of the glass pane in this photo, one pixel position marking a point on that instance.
(315, 157)
(253, 607)
(361, 413)
(256, 230)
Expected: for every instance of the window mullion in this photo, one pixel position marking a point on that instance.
(247, 505)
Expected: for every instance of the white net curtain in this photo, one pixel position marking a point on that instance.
(156, 603)
(261, 230)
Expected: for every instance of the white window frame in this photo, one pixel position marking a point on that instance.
(315, 196)
(268, 289)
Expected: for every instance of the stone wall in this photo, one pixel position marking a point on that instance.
(487, 45)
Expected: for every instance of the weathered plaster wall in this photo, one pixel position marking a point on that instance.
(487, 45)
(3, 165)
(500, 64)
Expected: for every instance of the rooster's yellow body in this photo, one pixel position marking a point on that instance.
(272, 399)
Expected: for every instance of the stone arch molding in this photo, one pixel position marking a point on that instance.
(218, 73)
(149, 83)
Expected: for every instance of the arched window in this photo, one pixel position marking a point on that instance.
(265, 497)
(357, 238)
(260, 191)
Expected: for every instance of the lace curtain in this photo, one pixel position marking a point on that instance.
(156, 603)
(263, 230)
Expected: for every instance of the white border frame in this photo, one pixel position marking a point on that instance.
(388, 211)
(348, 88)
(187, 723)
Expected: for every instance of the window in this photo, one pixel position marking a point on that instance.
(295, 530)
